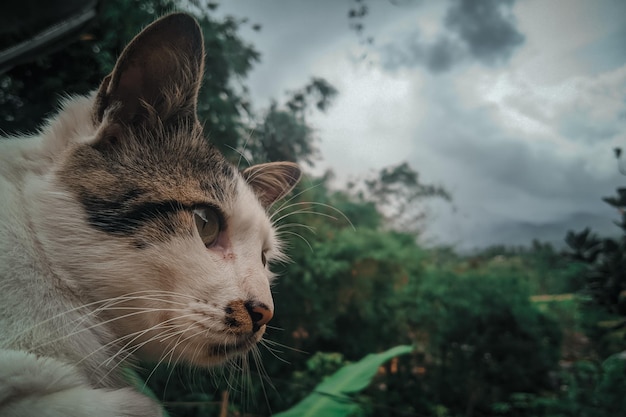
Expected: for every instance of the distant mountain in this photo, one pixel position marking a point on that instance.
(523, 233)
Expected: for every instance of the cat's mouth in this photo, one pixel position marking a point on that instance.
(229, 349)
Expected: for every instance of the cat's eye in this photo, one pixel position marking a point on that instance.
(263, 258)
(208, 224)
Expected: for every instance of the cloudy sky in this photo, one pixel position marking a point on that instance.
(513, 106)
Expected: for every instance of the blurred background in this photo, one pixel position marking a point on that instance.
(463, 193)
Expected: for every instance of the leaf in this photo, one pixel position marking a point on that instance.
(330, 398)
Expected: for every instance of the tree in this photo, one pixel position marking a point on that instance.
(595, 386)
(397, 191)
(482, 340)
(605, 275)
(605, 258)
(28, 92)
(283, 133)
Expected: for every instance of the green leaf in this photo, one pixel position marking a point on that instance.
(330, 398)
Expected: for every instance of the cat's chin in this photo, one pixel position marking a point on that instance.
(204, 354)
(225, 351)
(215, 354)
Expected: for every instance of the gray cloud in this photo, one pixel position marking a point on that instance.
(486, 28)
(579, 127)
(483, 31)
(437, 56)
(507, 188)
(509, 183)
(596, 113)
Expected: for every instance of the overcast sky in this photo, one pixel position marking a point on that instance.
(513, 106)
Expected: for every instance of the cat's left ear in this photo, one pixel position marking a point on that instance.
(272, 181)
(158, 73)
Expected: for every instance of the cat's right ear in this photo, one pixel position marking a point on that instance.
(272, 181)
(157, 75)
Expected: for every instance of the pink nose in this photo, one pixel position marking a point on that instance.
(260, 314)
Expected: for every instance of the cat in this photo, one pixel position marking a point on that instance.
(124, 233)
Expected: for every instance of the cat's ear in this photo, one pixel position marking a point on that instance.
(272, 181)
(158, 74)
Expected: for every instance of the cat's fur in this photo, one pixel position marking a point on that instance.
(100, 255)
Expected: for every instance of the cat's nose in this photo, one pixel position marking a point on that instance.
(260, 314)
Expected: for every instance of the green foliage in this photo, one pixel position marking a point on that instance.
(605, 259)
(544, 269)
(609, 392)
(28, 92)
(360, 279)
(302, 382)
(332, 396)
(603, 281)
(483, 340)
(587, 389)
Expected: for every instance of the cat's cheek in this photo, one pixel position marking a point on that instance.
(184, 266)
(205, 288)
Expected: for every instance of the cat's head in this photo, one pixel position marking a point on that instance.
(168, 241)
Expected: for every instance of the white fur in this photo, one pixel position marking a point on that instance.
(37, 375)
(79, 298)
(57, 358)
(45, 387)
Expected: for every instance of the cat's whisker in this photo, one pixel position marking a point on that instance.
(287, 232)
(59, 315)
(108, 303)
(256, 356)
(286, 203)
(117, 341)
(236, 375)
(171, 372)
(167, 331)
(98, 324)
(280, 231)
(180, 333)
(264, 377)
(314, 203)
(241, 153)
(274, 352)
(229, 380)
(305, 211)
(91, 312)
(179, 342)
(161, 337)
(266, 341)
(304, 226)
(247, 384)
(141, 332)
(139, 346)
(194, 371)
(284, 209)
